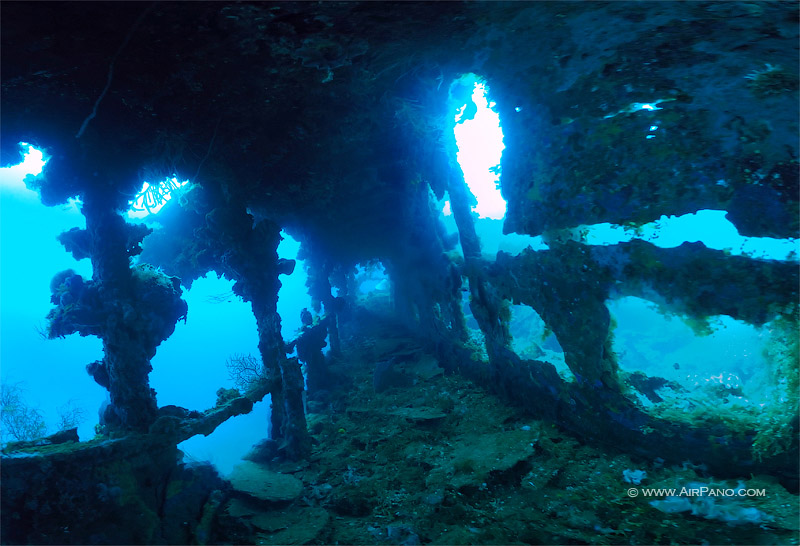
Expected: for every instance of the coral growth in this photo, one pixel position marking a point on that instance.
(772, 79)
(246, 371)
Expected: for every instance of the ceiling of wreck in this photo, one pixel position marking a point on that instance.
(301, 110)
(324, 116)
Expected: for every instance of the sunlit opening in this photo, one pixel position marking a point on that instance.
(293, 296)
(31, 254)
(446, 209)
(723, 357)
(532, 340)
(479, 139)
(372, 278)
(153, 197)
(215, 312)
(709, 227)
(12, 178)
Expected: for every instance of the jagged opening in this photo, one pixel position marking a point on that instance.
(154, 195)
(720, 362)
(533, 340)
(293, 295)
(710, 227)
(479, 143)
(215, 312)
(12, 177)
(371, 278)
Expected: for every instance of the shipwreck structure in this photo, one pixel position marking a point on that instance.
(332, 121)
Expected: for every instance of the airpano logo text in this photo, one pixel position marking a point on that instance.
(701, 491)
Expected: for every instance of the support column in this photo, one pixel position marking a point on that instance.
(253, 262)
(489, 310)
(127, 352)
(131, 309)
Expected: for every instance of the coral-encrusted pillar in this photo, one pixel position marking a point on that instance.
(270, 346)
(320, 271)
(127, 359)
(254, 263)
(488, 309)
(131, 310)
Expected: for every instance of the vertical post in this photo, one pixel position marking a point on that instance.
(487, 308)
(256, 266)
(126, 344)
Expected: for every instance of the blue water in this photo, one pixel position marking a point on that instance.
(185, 372)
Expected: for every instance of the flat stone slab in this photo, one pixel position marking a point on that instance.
(256, 481)
(474, 457)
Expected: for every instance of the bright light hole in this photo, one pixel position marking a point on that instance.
(446, 209)
(12, 177)
(153, 197)
(480, 145)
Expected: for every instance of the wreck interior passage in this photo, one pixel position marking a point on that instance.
(399, 273)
